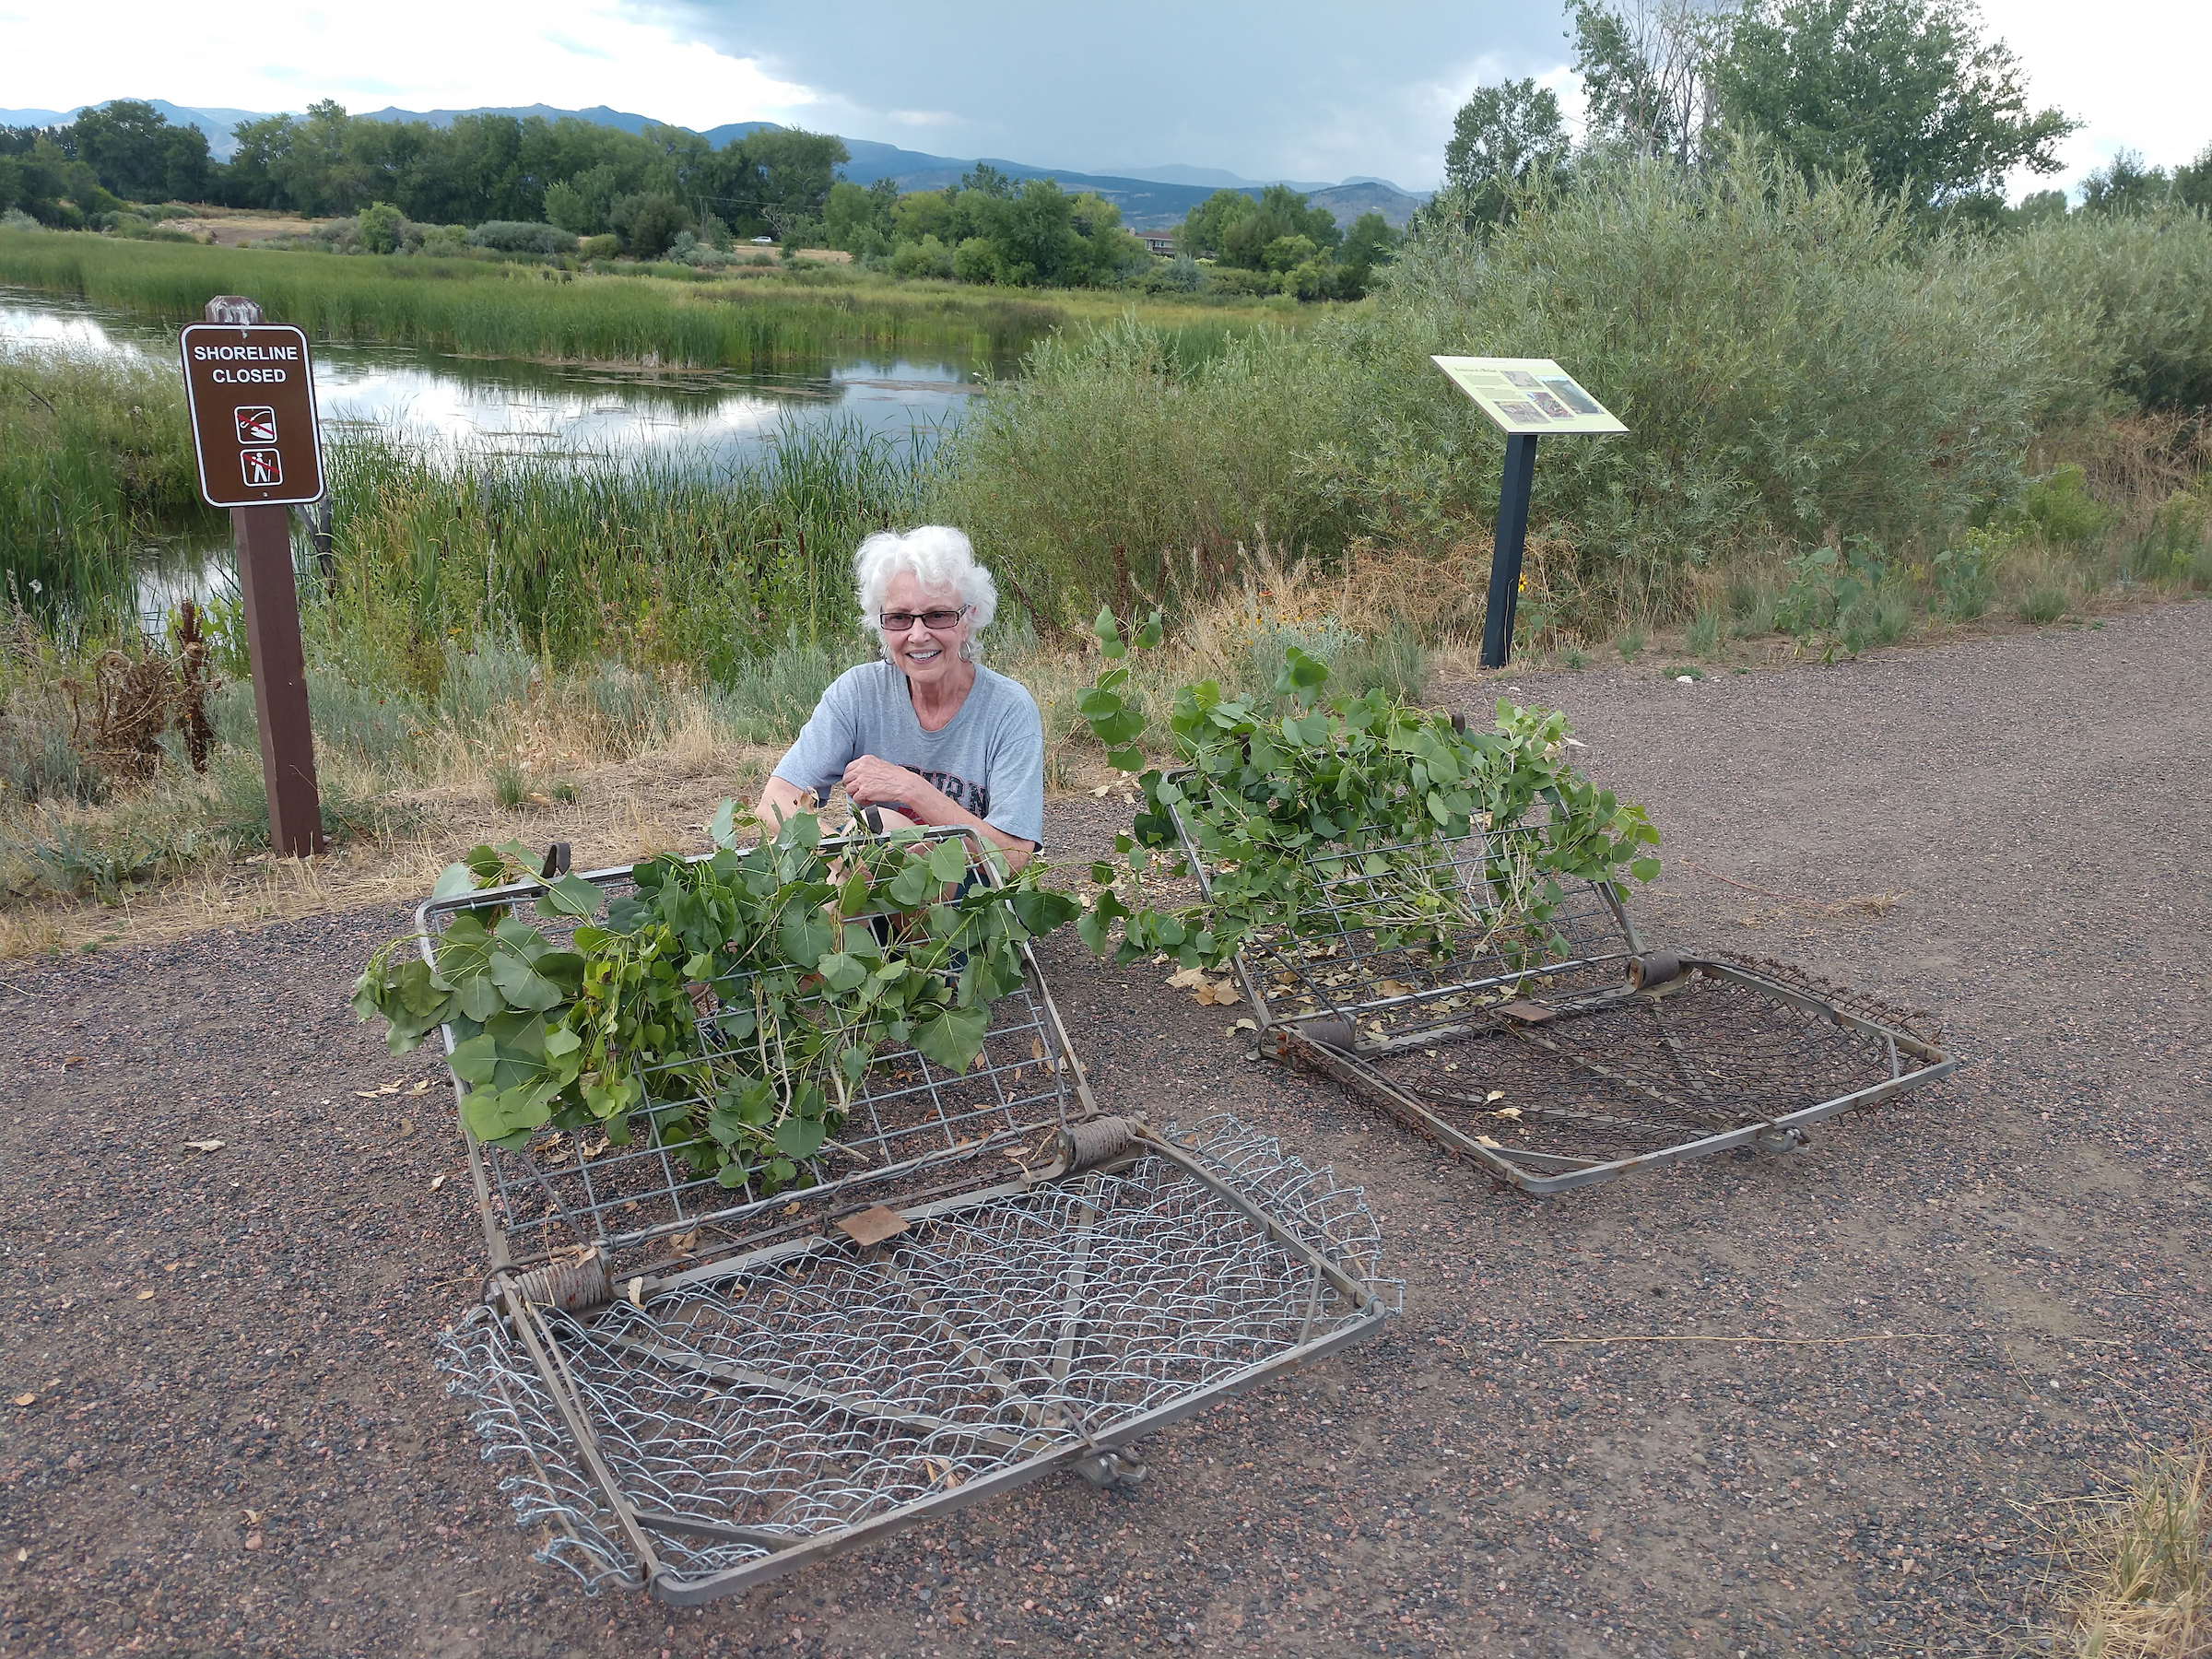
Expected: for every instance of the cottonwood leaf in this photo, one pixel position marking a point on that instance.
(798, 1137)
(954, 1038)
(571, 895)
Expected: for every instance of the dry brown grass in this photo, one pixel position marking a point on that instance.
(2135, 1576)
(623, 810)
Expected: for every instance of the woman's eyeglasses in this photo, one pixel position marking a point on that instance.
(936, 622)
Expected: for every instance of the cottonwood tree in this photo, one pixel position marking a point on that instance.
(1646, 67)
(2125, 185)
(1504, 139)
(1910, 88)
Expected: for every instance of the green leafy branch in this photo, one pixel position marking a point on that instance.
(1340, 802)
(735, 1003)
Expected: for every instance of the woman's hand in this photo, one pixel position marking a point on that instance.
(872, 781)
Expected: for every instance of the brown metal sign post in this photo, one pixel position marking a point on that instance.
(253, 403)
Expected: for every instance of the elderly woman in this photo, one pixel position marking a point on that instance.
(928, 735)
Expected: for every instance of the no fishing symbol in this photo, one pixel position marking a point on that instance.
(256, 425)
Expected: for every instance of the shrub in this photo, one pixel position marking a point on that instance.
(1113, 462)
(1788, 357)
(381, 228)
(975, 261)
(1230, 279)
(521, 236)
(2124, 300)
(2059, 505)
(928, 257)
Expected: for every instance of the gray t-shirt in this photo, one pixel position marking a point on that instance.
(989, 759)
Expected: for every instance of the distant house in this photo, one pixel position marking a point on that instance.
(1160, 241)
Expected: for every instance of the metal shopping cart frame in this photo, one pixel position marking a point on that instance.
(1620, 1056)
(698, 1389)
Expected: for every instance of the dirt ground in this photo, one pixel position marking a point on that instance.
(227, 1439)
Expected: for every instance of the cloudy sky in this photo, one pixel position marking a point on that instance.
(1268, 88)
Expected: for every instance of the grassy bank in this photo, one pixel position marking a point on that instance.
(94, 460)
(528, 311)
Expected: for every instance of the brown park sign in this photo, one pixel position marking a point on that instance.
(252, 399)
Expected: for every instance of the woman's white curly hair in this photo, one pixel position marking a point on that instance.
(938, 557)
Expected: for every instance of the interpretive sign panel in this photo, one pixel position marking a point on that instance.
(252, 402)
(1528, 395)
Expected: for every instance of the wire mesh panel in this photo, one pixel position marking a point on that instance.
(1521, 1022)
(749, 1421)
(698, 1383)
(1408, 935)
(569, 1188)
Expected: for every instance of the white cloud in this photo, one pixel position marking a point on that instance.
(2134, 70)
(416, 53)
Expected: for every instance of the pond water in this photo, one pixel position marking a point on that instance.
(706, 417)
(465, 405)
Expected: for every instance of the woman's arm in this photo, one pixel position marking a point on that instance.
(869, 780)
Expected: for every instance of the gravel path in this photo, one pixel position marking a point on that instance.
(234, 1444)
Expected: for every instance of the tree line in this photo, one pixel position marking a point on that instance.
(1910, 91)
(527, 184)
(644, 188)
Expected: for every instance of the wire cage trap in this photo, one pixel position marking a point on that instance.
(698, 1388)
(1546, 1042)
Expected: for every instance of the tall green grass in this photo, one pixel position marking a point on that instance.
(94, 457)
(641, 561)
(525, 311)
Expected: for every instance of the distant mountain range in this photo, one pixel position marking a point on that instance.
(1149, 197)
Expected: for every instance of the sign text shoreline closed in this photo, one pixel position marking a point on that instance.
(251, 397)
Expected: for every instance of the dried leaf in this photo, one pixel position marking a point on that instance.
(406, 1127)
(205, 1145)
(27, 1400)
(873, 1225)
(1507, 1111)
(637, 1294)
(1103, 789)
(420, 1086)
(1495, 1094)
(437, 1181)
(146, 1295)
(1189, 979)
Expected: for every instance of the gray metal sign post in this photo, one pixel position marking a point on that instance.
(252, 408)
(1527, 397)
